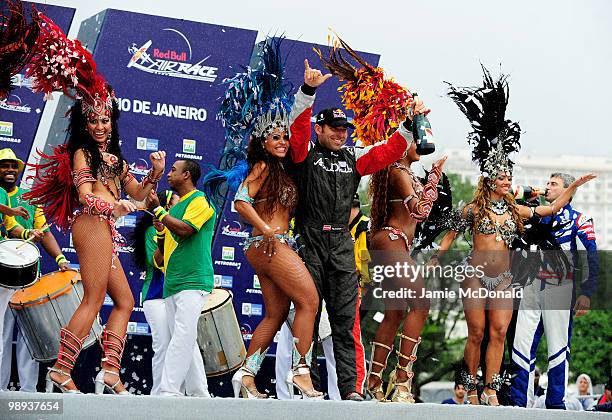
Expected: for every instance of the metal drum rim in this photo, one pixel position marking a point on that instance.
(229, 297)
(49, 297)
(21, 266)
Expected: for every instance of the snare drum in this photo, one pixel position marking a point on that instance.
(219, 336)
(18, 263)
(43, 309)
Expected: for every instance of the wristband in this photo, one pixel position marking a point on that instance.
(61, 259)
(25, 234)
(160, 213)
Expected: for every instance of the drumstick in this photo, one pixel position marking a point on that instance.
(31, 237)
(146, 211)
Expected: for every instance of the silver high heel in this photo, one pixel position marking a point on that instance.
(66, 357)
(100, 385)
(113, 351)
(51, 383)
(301, 368)
(250, 368)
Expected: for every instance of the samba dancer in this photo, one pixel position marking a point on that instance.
(495, 220)
(267, 199)
(399, 203)
(80, 188)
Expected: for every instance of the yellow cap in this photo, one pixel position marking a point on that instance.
(8, 154)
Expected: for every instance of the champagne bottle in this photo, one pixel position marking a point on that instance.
(422, 133)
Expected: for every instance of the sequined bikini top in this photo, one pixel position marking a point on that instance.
(288, 196)
(506, 231)
(416, 182)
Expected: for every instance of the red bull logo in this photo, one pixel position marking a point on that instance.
(170, 55)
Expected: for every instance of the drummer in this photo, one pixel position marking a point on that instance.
(188, 279)
(31, 218)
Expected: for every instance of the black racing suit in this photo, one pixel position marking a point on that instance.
(327, 181)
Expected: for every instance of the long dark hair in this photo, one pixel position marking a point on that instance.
(139, 233)
(79, 138)
(278, 175)
(379, 190)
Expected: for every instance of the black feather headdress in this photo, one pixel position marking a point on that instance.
(493, 137)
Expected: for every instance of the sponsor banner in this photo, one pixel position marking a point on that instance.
(231, 230)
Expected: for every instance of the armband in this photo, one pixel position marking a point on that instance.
(243, 195)
(82, 176)
(430, 194)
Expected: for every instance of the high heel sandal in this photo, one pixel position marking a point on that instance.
(249, 368)
(113, 352)
(494, 385)
(301, 366)
(399, 395)
(377, 392)
(469, 384)
(66, 360)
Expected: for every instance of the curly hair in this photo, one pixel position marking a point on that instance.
(278, 178)
(378, 192)
(79, 138)
(482, 204)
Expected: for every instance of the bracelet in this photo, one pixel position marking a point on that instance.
(160, 213)
(25, 233)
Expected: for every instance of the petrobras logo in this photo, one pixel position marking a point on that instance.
(144, 143)
(234, 231)
(6, 128)
(13, 104)
(171, 62)
(256, 309)
(140, 167)
(189, 146)
(227, 253)
(126, 221)
(246, 309)
(256, 284)
(224, 281)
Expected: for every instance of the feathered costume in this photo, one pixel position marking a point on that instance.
(379, 104)
(59, 64)
(494, 138)
(17, 41)
(256, 102)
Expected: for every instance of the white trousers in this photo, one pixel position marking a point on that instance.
(544, 309)
(183, 361)
(282, 367)
(27, 367)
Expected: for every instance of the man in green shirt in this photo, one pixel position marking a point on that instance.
(189, 277)
(32, 219)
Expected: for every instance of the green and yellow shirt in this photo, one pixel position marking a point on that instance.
(7, 223)
(188, 260)
(37, 218)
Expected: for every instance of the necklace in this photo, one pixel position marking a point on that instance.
(499, 207)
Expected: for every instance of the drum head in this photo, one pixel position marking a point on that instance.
(216, 298)
(49, 286)
(17, 253)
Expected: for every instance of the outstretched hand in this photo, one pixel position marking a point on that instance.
(313, 77)
(584, 179)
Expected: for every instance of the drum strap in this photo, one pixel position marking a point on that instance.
(113, 350)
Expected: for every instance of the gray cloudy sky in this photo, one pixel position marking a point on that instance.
(557, 53)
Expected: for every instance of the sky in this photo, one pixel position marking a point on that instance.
(557, 54)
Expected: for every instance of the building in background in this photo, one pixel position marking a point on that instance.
(593, 198)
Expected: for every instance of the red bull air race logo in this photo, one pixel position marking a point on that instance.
(171, 62)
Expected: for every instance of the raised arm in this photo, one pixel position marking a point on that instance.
(560, 202)
(374, 158)
(301, 113)
(140, 190)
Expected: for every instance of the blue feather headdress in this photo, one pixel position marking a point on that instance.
(256, 102)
